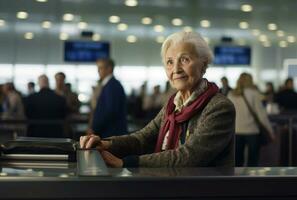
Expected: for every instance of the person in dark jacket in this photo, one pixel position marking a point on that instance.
(287, 97)
(110, 114)
(46, 105)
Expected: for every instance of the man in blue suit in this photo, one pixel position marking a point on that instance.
(109, 117)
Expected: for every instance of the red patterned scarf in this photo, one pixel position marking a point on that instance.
(174, 120)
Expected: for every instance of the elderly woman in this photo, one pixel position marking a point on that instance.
(194, 129)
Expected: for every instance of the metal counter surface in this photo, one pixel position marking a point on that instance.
(61, 180)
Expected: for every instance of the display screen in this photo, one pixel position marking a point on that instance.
(85, 51)
(232, 55)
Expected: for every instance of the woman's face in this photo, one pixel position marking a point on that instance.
(183, 67)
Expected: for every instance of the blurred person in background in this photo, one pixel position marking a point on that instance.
(246, 128)
(46, 105)
(194, 129)
(1, 98)
(287, 97)
(12, 103)
(110, 115)
(269, 94)
(31, 88)
(225, 89)
(72, 99)
(61, 89)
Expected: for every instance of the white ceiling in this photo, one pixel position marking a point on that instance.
(224, 16)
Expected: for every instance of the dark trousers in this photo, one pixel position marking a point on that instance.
(253, 144)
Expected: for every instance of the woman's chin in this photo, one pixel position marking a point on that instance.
(180, 87)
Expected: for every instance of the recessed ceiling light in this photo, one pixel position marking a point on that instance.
(246, 8)
(272, 26)
(266, 44)
(177, 22)
(2, 22)
(122, 27)
(131, 3)
(263, 38)
(22, 15)
(68, 17)
(158, 28)
(205, 23)
(131, 38)
(256, 32)
(96, 37)
(46, 24)
(160, 39)
(41, 1)
(114, 19)
(243, 25)
(283, 44)
(63, 36)
(188, 29)
(82, 25)
(280, 33)
(29, 36)
(146, 20)
(242, 42)
(291, 39)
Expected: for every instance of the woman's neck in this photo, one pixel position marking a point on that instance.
(187, 93)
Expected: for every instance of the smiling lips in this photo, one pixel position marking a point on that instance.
(179, 77)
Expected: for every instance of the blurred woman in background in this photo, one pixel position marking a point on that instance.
(246, 128)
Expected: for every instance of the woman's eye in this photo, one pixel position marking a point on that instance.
(169, 63)
(185, 60)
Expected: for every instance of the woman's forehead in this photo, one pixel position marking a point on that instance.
(180, 48)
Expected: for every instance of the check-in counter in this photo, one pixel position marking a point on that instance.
(63, 180)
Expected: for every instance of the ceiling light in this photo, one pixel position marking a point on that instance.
(242, 42)
(160, 39)
(291, 39)
(159, 28)
(122, 27)
(46, 24)
(263, 38)
(205, 23)
(41, 1)
(246, 8)
(68, 17)
(29, 36)
(131, 38)
(146, 20)
(22, 15)
(272, 26)
(266, 44)
(283, 44)
(280, 33)
(96, 37)
(177, 22)
(63, 36)
(256, 32)
(114, 19)
(188, 29)
(2, 22)
(243, 25)
(82, 25)
(131, 3)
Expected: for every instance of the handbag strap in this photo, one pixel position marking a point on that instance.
(255, 116)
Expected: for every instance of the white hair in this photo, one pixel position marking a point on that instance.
(202, 49)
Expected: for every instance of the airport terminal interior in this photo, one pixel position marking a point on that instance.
(73, 69)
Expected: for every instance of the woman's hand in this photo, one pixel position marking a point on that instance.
(93, 141)
(111, 160)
